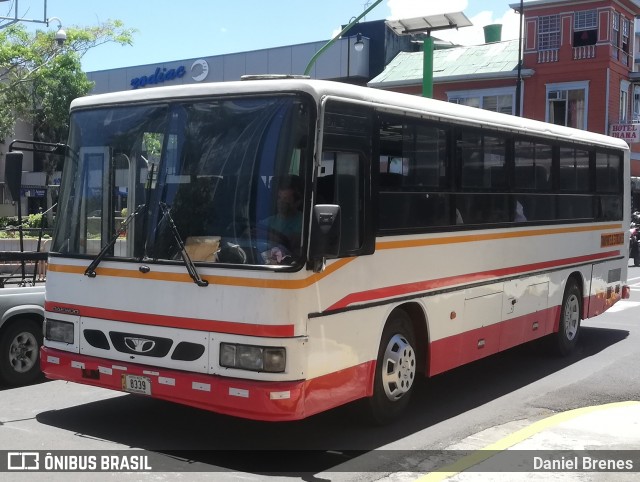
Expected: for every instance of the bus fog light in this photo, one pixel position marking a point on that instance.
(253, 358)
(61, 331)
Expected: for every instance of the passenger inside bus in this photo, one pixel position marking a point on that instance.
(285, 226)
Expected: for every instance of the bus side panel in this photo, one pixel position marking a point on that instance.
(343, 340)
(606, 288)
(525, 312)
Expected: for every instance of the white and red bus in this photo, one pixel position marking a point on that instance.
(272, 249)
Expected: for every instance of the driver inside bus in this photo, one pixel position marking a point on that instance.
(285, 226)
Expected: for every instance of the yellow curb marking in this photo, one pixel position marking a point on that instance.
(510, 440)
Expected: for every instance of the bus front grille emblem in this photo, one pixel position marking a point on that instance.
(139, 345)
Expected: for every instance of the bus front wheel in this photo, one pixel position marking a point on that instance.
(569, 327)
(396, 369)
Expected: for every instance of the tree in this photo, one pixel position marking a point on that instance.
(39, 78)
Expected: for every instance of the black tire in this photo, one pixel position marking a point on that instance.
(20, 344)
(636, 257)
(396, 370)
(569, 326)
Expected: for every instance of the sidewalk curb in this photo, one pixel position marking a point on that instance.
(519, 436)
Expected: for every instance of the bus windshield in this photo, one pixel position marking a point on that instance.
(228, 173)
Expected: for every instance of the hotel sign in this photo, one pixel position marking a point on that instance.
(628, 132)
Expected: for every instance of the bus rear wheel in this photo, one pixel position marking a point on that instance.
(396, 369)
(569, 326)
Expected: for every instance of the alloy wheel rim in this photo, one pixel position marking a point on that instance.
(399, 367)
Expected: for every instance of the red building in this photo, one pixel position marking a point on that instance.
(583, 57)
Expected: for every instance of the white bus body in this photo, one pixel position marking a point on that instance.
(398, 298)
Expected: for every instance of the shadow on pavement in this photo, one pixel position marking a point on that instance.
(192, 436)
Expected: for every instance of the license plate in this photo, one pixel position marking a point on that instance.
(136, 384)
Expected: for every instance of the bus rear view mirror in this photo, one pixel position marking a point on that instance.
(13, 173)
(325, 231)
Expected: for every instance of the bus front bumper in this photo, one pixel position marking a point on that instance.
(271, 401)
(256, 400)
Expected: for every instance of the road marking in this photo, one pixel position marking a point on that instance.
(510, 440)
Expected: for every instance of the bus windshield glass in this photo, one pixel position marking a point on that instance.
(228, 173)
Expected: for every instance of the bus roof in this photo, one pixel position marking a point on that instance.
(431, 108)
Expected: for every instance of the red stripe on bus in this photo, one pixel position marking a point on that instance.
(451, 281)
(230, 327)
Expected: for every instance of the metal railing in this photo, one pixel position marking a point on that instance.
(23, 267)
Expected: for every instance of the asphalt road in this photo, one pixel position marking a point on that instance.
(465, 408)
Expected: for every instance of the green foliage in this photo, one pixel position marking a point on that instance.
(38, 78)
(153, 145)
(30, 225)
(33, 221)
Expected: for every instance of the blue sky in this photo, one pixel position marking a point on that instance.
(174, 30)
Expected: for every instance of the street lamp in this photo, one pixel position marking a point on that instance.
(427, 25)
(61, 35)
(520, 60)
(332, 41)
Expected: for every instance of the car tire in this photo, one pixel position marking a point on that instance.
(20, 344)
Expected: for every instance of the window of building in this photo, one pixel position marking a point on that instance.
(615, 33)
(625, 41)
(585, 30)
(496, 100)
(636, 103)
(470, 101)
(549, 32)
(624, 101)
(566, 104)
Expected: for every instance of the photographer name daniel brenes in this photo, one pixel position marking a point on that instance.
(583, 463)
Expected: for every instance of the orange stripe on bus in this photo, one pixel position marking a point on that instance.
(214, 280)
(467, 238)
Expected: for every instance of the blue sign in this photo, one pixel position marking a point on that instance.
(158, 77)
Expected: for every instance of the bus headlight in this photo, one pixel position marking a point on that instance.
(61, 331)
(254, 358)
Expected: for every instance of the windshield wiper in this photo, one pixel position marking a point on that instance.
(91, 269)
(191, 268)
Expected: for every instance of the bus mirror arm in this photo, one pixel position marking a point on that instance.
(325, 234)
